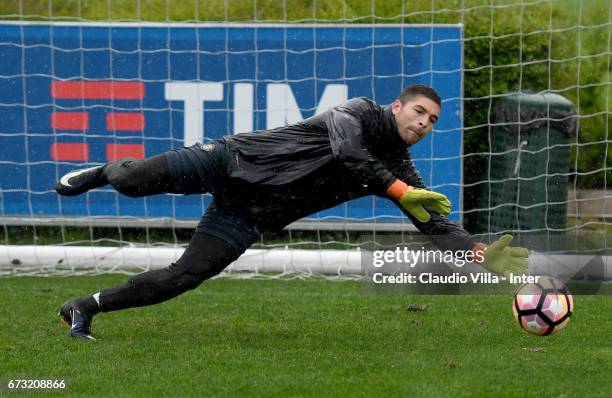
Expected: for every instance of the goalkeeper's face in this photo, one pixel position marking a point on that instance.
(415, 118)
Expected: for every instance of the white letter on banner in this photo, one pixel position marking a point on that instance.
(334, 94)
(282, 108)
(243, 107)
(193, 95)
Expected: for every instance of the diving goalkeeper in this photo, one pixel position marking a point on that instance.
(263, 181)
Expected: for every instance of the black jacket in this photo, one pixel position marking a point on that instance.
(353, 150)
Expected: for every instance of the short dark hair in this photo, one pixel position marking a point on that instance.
(419, 89)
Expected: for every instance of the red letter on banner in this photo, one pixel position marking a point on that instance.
(98, 90)
(69, 151)
(70, 120)
(120, 151)
(124, 121)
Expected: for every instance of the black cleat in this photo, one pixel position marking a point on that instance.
(78, 181)
(79, 321)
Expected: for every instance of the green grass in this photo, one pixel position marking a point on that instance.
(300, 338)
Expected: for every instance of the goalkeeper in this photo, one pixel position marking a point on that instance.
(263, 181)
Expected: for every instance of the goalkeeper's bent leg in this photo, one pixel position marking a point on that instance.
(205, 257)
(187, 170)
(128, 176)
(138, 178)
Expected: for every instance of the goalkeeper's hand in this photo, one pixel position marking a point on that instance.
(416, 200)
(503, 259)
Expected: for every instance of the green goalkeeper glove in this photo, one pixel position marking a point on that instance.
(503, 259)
(415, 200)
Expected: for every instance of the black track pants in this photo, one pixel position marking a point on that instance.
(205, 257)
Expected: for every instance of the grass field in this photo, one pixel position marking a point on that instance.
(300, 338)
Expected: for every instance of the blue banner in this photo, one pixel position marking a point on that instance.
(76, 95)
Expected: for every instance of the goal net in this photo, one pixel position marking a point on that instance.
(521, 146)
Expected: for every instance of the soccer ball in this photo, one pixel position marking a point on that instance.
(543, 308)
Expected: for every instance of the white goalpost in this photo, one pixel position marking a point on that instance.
(522, 145)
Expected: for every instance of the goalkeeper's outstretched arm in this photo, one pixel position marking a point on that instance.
(499, 257)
